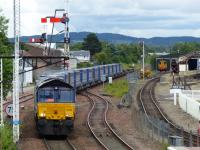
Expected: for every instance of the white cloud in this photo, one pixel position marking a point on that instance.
(142, 18)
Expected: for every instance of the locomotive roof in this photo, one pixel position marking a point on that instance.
(53, 82)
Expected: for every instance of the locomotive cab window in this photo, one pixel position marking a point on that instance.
(55, 95)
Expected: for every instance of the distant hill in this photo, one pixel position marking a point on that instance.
(118, 38)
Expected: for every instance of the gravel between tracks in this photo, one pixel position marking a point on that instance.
(122, 121)
(81, 136)
(175, 113)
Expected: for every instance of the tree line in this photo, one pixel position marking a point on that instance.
(103, 52)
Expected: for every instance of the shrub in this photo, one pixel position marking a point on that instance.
(6, 140)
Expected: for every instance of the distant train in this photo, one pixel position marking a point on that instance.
(55, 96)
(162, 65)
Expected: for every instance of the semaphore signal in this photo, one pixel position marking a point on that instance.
(64, 19)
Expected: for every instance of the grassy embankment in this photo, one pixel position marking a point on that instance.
(6, 140)
(118, 88)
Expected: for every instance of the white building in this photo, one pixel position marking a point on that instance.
(190, 61)
(81, 56)
(159, 54)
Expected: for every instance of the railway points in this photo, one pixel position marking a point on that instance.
(99, 125)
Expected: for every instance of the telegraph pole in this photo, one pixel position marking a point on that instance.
(143, 59)
(1, 109)
(16, 71)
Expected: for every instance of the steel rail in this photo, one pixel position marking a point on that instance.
(66, 141)
(90, 126)
(185, 133)
(46, 144)
(70, 143)
(21, 98)
(107, 123)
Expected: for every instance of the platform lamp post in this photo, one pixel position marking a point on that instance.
(143, 59)
(170, 54)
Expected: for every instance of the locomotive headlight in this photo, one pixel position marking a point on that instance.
(68, 116)
(42, 115)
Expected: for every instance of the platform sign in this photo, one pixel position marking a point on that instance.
(9, 110)
(103, 78)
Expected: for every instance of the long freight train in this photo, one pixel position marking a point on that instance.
(55, 96)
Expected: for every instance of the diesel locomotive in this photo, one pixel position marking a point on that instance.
(54, 107)
(162, 66)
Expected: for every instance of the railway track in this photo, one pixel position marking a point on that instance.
(23, 98)
(58, 144)
(151, 108)
(100, 127)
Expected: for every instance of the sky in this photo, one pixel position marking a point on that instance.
(138, 18)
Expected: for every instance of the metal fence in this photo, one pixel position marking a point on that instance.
(154, 128)
(128, 98)
(159, 130)
(151, 127)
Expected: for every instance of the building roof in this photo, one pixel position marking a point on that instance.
(37, 50)
(24, 53)
(80, 53)
(186, 57)
(159, 54)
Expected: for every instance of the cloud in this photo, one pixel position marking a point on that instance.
(159, 32)
(143, 18)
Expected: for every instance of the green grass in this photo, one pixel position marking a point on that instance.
(6, 140)
(118, 88)
(127, 66)
(84, 65)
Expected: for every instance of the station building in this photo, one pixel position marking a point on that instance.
(187, 62)
(190, 61)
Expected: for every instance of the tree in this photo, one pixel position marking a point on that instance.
(76, 46)
(6, 50)
(101, 57)
(92, 43)
(186, 47)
